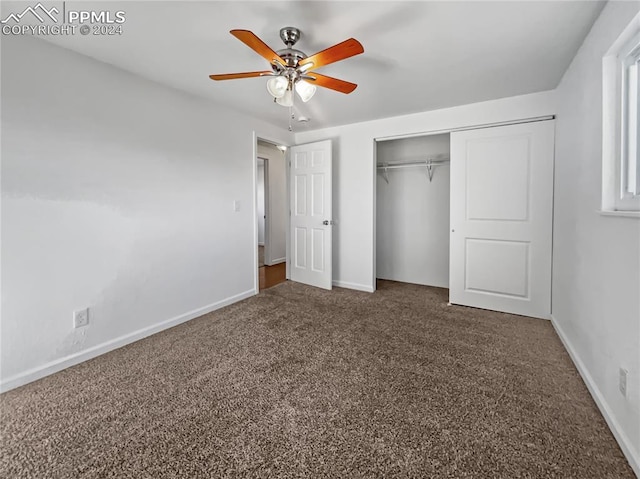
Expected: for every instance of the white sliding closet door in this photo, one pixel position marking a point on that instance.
(501, 218)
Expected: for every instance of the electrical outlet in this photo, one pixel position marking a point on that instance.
(622, 383)
(81, 318)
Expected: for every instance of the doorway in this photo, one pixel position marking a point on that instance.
(271, 214)
(296, 184)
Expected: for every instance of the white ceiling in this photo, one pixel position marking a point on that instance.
(418, 55)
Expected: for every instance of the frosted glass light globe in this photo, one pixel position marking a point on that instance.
(286, 99)
(305, 90)
(277, 86)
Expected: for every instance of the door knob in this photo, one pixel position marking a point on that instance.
(327, 222)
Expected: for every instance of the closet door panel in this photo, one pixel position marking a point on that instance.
(501, 218)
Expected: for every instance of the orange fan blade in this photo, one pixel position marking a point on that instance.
(233, 76)
(261, 48)
(333, 54)
(332, 83)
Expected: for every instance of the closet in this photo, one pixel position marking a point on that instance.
(412, 210)
(470, 211)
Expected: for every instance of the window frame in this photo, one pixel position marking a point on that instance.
(620, 123)
(629, 59)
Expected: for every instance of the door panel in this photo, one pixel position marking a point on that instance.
(501, 218)
(318, 194)
(300, 195)
(510, 280)
(317, 249)
(300, 248)
(311, 199)
(510, 157)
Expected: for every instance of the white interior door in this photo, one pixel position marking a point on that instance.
(501, 218)
(311, 222)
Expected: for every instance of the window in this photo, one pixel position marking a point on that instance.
(621, 123)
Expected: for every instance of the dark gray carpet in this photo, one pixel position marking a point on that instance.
(300, 382)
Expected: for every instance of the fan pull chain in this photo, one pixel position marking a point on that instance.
(291, 117)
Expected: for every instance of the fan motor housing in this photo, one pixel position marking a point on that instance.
(291, 56)
(290, 35)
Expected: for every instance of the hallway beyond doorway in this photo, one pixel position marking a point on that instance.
(269, 276)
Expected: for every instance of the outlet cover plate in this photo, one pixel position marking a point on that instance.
(81, 318)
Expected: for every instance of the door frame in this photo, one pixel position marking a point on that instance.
(254, 162)
(421, 134)
(265, 192)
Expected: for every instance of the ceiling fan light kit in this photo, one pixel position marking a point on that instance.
(292, 70)
(305, 90)
(286, 99)
(277, 86)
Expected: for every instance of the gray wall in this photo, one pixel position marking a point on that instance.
(596, 267)
(118, 195)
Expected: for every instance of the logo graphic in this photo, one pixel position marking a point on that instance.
(70, 22)
(34, 11)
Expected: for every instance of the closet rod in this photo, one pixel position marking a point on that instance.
(405, 164)
(429, 163)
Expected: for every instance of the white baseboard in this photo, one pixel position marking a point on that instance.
(57, 365)
(605, 410)
(276, 261)
(358, 287)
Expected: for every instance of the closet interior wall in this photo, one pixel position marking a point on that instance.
(412, 224)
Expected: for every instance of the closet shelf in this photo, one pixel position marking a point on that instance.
(429, 163)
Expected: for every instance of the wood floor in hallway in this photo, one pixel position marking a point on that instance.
(269, 276)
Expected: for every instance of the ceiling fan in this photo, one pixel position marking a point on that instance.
(292, 69)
